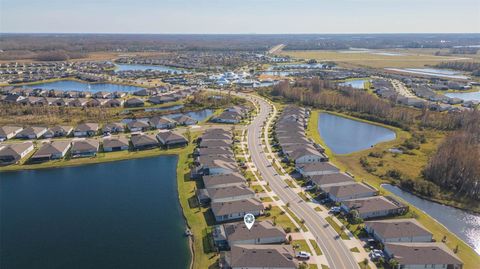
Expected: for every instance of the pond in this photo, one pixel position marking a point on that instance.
(72, 85)
(198, 115)
(118, 215)
(466, 96)
(343, 135)
(463, 224)
(164, 108)
(355, 83)
(144, 67)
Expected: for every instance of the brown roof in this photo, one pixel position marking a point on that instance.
(262, 256)
(261, 229)
(318, 166)
(87, 127)
(422, 253)
(336, 178)
(348, 189)
(223, 179)
(247, 205)
(144, 140)
(232, 191)
(373, 204)
(16, 148)
(85, 145)
(397, 228)
(6, 130)
(55, 147)
(112, 142)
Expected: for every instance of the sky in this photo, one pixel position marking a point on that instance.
(240, 16)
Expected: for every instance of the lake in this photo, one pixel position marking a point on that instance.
(198, 115)
(463, 224)
(343, 135)
(144, 67)
(356, 83)
(117, 215)
(466, 96)
(72, 85)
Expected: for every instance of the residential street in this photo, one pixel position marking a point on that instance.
(336, 252)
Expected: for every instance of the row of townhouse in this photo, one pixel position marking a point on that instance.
(93, 129)
(406, 240)
(225, 189)
(77, 148)
(290, 137)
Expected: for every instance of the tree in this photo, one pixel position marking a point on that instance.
(188, 135)
(393, 263)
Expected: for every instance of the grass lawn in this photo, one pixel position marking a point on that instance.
(318, 209)
(337, 228)
(355, 249)
(317, 249)
(302, 226)
(408, 165)
(290, 183)
(304, 197)
(325, 266)
(257, 188)
(281, 218)
(300, 245)
(363, 265)
(266, 199)
(368, 59)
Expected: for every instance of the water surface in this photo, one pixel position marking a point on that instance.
(72, 85)
(463, 224)
(356, 83)
(118, 215)
(145, 67)
(345, 136)
(466, 96)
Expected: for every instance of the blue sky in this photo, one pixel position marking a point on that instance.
(239, 16)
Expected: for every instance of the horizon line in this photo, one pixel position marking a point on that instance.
(146, 33)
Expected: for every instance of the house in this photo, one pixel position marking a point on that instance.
(144, 141)
(86, 129)
(261, 233)
(307, 155)
(398, 230)
(220, 181)
(214, 165)
(316, 168)
(111, 103)
(185, 120)
(142, 92)
(230, 193)
(156, 100)
(85, 148)
(51, 151)
(375, 207)
(227, 152)
(226, 211)
(227, 117)
(113, 128)
(339, 193)
(422, 255)
(13, 153)
(259, 256)
(335, 179)
(115, 144)
(171, 139)
(162, 123)
(31, 133)
(138, 126)
(58, 131)
(134, 102)
(7, 132)
(215, 144)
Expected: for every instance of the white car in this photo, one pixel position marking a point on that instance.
(303, 255)
(335, 209)
(309, 187)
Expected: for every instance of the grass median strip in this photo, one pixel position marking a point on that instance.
(317, 249)
(297, 220)
(337, 228)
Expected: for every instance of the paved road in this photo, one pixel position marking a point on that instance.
(335, 251)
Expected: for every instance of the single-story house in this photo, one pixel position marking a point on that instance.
(144, 141)
(259, 256)
(317, 168)
(215, 144)
(31, 133)
(228, 152)
(227, 117)
(230, 193)
(261, 233)
(13, 153)
(423, 255)
(85, 148)
(162, 123)
(138, 126)
(134, 102)
(113, 128)
(398, 230)
(185, 120)
(51, 151)
(58, 131)
(335, 179)
(234, 210)
(86, 129)
(220, 181)
(307, 155)
(7, 132)
(339, 193)
(214, 165)
(115, 144)
(375, 207)
(169, 139)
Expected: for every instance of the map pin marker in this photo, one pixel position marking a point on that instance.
(249, 220)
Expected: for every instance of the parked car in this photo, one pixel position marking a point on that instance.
(335, 209)
(309, 187)
(303, 255)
